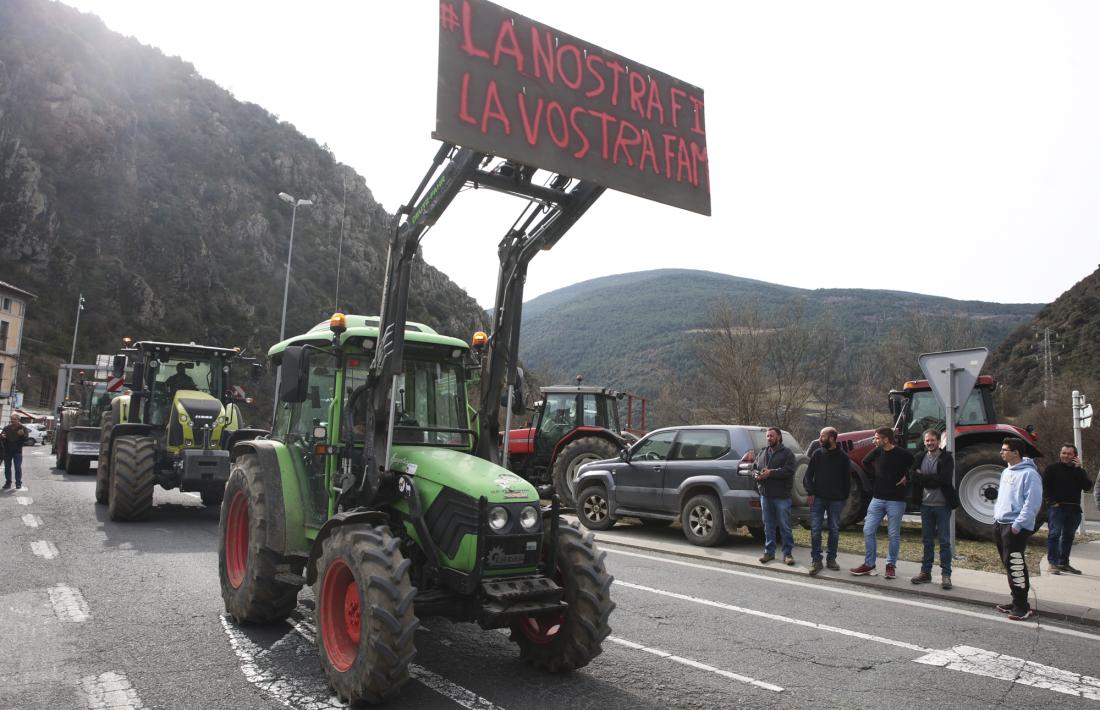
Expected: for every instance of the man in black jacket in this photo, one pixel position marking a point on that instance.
(13, 437)
(1063, 483)
(889, 468)
(774, 481)
(934, 491)
(828, 482)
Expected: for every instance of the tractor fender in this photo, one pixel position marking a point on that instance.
(232, 437)
(600, 477)
(351, 517)
(128, 429)
(285, 507)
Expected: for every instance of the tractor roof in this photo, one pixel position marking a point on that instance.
(185, 349)
(920, 385)
(366, 327)
(579, 389)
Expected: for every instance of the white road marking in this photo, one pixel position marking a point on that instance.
(831, 589)
(695, 664)
(23, 500)
(68, 603)
(454, 692)
(44, 549)
(961, 658)
(110, 691)
(32, 521)
(995, 665)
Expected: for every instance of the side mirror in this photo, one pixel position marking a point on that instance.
(747, 465)
(118, 366)
(295, 374)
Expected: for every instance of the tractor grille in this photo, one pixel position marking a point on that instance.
(451, 516)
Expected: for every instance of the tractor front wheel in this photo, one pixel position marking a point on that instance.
(979, 470)
(103, 465)
(247, 569)
(365, 619)
(567, 640)
(133, 462)
(575, 454)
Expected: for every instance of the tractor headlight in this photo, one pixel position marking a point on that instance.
(184, 419)
(529, 517)
(498, 518)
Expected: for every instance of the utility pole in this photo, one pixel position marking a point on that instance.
(340, 244)
(72, 355)
(1046, 359)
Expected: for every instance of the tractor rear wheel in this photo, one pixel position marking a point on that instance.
(365, 619)
(77, 465)
(855, 508)
(133, 461)
(247, 569)
(573, 456)
(212, 495)
(979, 471)
(103, 465)
(564, 641)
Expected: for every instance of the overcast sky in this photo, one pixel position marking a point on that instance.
(949, 148)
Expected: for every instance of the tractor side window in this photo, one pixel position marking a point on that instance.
(283, 411)
(320, 392)
(654, 448)
(590, 413)
(973, 412)
(925, 413)
(702, 445)
(559, 416)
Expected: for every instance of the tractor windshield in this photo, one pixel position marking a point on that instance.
(178, 372)
(926, 413)
(431, 403)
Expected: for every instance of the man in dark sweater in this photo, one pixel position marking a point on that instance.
(13, 437)
(1063, 483)
(934, 492)
(774, 481)
(889, 468)
(827, 481)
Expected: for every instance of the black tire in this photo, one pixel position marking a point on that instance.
(701, 518)
(570, 640)
(212, 495)
(979, 471)
(572, 456)
(60, 452)
(656, 523)
(133, 460)
(365, 654)
(592, 508)
(77, 465)
(251, 594)
(756, 532)
(103, 465)
(855, 508)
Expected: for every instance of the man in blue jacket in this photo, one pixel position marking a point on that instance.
(1018, 499)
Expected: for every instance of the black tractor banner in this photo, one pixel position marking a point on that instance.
(519, 89)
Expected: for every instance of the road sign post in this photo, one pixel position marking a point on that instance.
(952, 376)
(1082, 419)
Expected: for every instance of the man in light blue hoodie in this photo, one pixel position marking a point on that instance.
(1018, 500)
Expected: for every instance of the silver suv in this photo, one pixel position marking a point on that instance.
(700, 475)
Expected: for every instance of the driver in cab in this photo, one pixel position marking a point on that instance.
(180, 381)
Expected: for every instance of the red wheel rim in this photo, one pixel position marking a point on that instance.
(236, 540)
(542, 629)
(340, 615)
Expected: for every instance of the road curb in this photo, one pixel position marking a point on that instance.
(1073, 613)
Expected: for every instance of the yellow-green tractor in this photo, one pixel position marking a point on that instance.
(173, 429)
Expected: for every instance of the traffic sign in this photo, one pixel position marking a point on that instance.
(962, 366)
(114, 384)
(1086, 416)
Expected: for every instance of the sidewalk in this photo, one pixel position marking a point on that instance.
(1067, 597)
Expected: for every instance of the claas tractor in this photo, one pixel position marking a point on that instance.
(174, 429)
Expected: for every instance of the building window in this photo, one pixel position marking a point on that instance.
(7, 304)
(3, 335)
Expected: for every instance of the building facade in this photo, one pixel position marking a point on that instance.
(13, 309)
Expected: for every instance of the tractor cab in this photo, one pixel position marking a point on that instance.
(563, 410)
(915, 409)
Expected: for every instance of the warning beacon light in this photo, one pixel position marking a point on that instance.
(338, 323)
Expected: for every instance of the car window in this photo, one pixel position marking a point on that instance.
(702, 445)
(654, 448)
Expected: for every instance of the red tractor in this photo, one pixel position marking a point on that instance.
(573, 425)
(978, 440)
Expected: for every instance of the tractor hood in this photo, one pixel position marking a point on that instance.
(465, 473)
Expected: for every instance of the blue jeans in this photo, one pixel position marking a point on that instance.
(17, 458)
(777, 511)
(1062, 525)
(817, 517)
(892, 510)
(935, 522)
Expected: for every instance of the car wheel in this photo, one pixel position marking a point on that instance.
(593, 509)
(701, 518)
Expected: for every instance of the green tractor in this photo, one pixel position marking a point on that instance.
(174, 429)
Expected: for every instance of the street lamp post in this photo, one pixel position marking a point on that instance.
(72, 355)
(296, 203)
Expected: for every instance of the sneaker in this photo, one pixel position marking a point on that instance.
(831, 564)
(766, 558)
(945, 583)
(1004, 608)
(1067, 568)
(891, 572)
(922, 578)
(1022, 615)
(18, 486)
(7, 485)
(816, 567)
(862, 570)
(789, 560)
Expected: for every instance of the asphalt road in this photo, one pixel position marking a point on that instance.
(95, 614)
